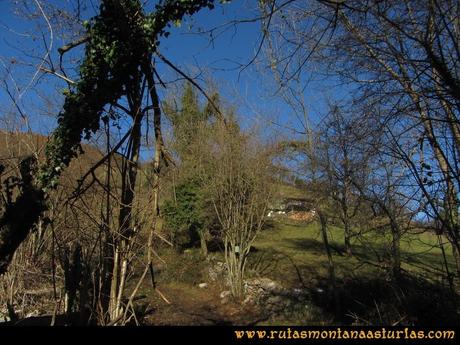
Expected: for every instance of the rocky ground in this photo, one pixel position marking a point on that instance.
(211, 303)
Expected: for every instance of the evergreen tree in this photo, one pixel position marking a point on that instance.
(190, 215)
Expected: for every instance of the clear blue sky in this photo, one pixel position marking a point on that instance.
(250, 89)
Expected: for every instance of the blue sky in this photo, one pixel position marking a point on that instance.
(250, 89)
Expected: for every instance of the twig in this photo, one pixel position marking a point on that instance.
(194, 83)
(47, 54)
(98, 164)
(72, 45)
(70, 81)
(162, 296)
(164, 239)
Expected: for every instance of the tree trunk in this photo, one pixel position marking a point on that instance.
(235, 269)
(332, 283)
(456, 256)
(203, 244)
(446, 264)
(347, 240)
(20, 217)
(122, 243)
(114, 285)
(395, 249)
(72, 278)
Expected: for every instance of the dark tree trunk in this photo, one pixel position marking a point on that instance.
(20, 217)
(332, 284)
(347, 238)
(456, 256)
(203, 244)
(395, 249)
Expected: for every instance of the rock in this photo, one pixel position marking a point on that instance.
(258, 290)
(225, 293)
(225, 296)
(33, 313)
(216, 271)
(261, 284)
(300, 295)
(4, 317)
(271, 296)
(247, 300)
(275, 300)
(203, 285)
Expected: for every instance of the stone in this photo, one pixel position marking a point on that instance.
(33, 313)
(216, 271)
(260, 284)
(4, 317)
(247, 300)
(225, 293)
(203, 285)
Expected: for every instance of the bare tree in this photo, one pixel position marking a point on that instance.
(342, 157)
(240, 189)
(402, 56)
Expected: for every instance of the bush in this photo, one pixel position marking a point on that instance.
(186, 216)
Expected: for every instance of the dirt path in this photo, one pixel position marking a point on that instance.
(196, 306)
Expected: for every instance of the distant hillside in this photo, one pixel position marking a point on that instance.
(16, 145)
(284, 191)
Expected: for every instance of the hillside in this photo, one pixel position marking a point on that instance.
(288, 282)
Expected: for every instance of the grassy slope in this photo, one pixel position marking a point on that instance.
(289, 244)
(292, 253)
(288, 191)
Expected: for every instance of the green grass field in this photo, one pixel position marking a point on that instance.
(292, 254)
(287, 248)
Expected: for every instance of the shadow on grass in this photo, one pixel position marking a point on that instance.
(370, 299)
(426, 261)
(378, 301)
(314, 246)
(372, 302)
